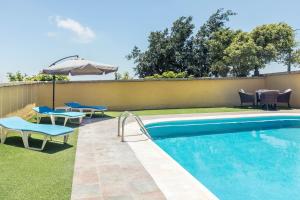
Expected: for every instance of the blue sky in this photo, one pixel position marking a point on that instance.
(35, 33)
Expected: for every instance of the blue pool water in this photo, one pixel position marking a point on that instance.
(238, 158)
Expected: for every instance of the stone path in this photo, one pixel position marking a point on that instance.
(107, 169)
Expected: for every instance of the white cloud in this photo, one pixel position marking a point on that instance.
(83, 33)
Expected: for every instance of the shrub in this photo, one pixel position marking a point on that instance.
(169, 74)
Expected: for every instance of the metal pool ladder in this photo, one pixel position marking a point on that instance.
(122, 121)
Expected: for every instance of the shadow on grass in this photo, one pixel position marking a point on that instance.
(258, 107)
(51, 147)
(101, 117)
(87, 120)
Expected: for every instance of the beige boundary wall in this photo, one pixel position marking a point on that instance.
(18, 99)
(144, 94)
(284, 81)
(140, 94)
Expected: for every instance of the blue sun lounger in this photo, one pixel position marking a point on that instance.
(25, 128)
(45, 111)
(82, 108)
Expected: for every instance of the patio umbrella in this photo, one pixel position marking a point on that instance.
(74, 66)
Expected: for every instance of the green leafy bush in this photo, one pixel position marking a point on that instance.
(124, 76)
(169, 74)
(18, 76)
(46, 77)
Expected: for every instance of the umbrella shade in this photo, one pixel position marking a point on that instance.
(76, 67)
(79, 67)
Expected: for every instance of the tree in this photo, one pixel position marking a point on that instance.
(203, 55)
(177, 50)
(220, 68)
(276, 42)
(215, 50)
(217, 44)
(241, 55)
(168, 50)
(295, 58)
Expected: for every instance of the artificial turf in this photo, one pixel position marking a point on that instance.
(27, 174)
(184, 111)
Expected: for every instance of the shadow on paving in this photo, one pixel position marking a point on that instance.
(86, 120)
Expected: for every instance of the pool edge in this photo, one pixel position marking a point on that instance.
(174, 181)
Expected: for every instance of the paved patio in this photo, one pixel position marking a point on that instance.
(107, 169)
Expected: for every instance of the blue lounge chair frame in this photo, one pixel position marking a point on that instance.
(44, 111)
(75, 106)
(17, 124)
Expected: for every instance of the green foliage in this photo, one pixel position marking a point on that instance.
(264, 44)
(219, 41)
(203, 52)
(118, 76)
(295, 57)
(18, 76)
(241, 55)
(168, 50)
(219, 68)
(169, 74)
(124, 76)
(276, 42)
(176, 50)
(47, 77)
(215, 50)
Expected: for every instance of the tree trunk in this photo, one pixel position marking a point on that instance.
(256, 71)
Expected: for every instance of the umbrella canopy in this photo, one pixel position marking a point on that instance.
(76, 66)
(79, 66)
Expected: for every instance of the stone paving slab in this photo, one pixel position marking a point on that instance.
(107, 169)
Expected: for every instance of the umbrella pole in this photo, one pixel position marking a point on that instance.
(53, 79)
(53, 92)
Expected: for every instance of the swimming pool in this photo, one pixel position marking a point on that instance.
(237, 158)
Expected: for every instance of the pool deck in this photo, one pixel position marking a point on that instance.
(107, 169)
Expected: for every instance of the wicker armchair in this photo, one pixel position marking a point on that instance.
(269, 98)
(246, 97)
(284, 97)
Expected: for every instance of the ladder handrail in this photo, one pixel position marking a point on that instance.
(122, 121)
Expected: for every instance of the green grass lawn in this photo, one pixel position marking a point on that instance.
(184, 111)
(34, 175)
